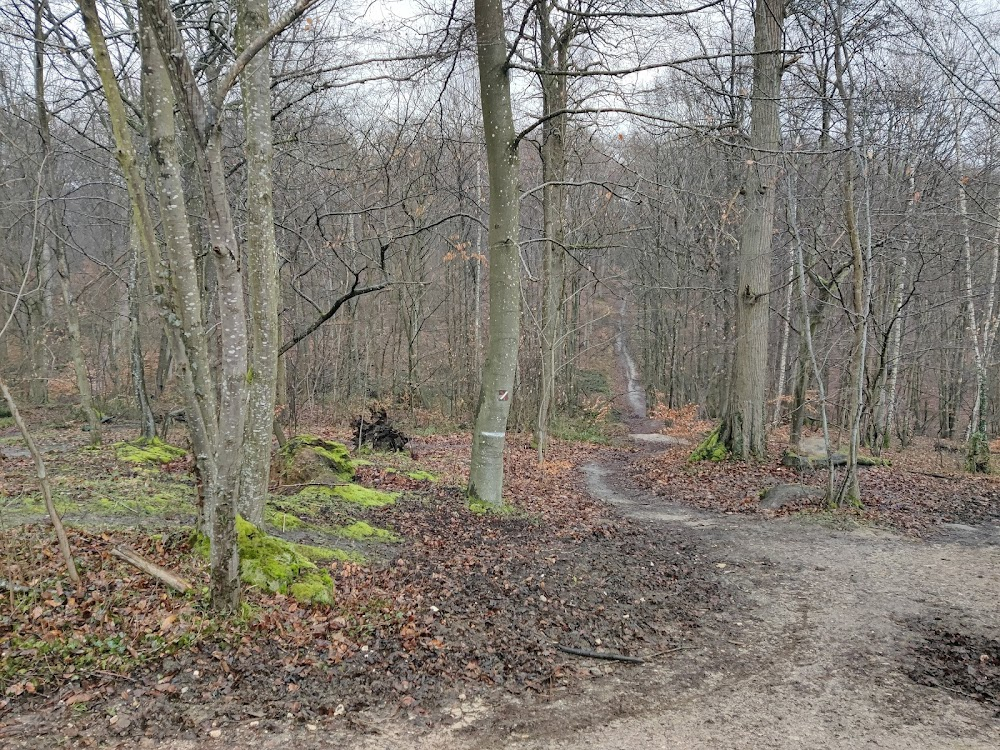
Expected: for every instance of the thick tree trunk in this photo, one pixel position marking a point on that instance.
(262, 262)
(486, 470)
(743, 426)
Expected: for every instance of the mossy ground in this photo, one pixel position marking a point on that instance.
(153, 451)
(274, 564)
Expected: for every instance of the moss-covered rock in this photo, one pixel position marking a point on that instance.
(153, 451)
(307, 458)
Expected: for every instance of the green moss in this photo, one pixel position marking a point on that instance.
(711, 448)
(481, 508)
(274, 564)
(361, 531)
(363, 496)
(281, 520)
(325, 554)
(153, 451)
(6, 422)
(422, 476)
(335, 456)
(977, 458)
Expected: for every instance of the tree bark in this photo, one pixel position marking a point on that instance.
(253, 17)
(50, 233)
(486, 470)
(743, 427)
(554, 56)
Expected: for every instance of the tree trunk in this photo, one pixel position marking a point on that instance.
(262, 262)
(43, 480)
(743, 426)
(48, 226)
(136, 363)
(486, 469)
(554, 53)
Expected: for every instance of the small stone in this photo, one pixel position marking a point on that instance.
(254, 724)
(311, 727)
(215, 734)
(456, 713)
(596, 672)
(339, 710)
(121, 723)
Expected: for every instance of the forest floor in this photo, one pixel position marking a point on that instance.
(788, 628)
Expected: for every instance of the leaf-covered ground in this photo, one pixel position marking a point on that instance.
(920, 490)
(951, 658)
(463, 603)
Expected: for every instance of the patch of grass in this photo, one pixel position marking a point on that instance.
(153, 451)
(6, 422)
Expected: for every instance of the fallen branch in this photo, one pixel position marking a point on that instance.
(162, 574)
(600, 655)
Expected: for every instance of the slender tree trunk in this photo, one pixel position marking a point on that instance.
(50, 232)
(785, 333)
(743, 426)
(262, 262)
(136, 363)
(554, 56)
(486, 470)
(850, 491)
(43, 480)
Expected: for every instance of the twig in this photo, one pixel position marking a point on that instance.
(311, 484)
(146, 566)
(671, 651)
(610, 656)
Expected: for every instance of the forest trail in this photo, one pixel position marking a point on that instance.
(813, 653)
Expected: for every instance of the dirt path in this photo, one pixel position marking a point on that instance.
(814, 655)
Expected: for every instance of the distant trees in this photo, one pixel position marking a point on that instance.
(298, 223)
